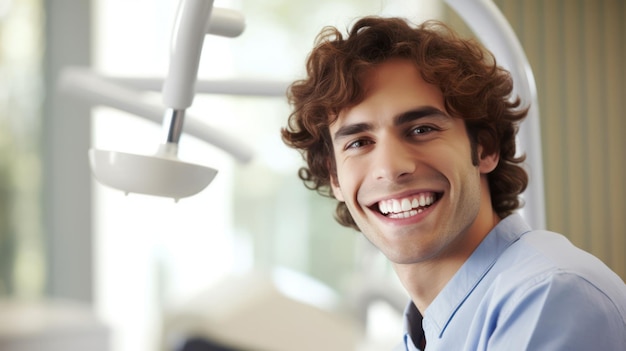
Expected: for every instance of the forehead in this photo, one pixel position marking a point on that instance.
(391, 88)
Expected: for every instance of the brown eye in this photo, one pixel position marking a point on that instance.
(357, 144)
(420, 130)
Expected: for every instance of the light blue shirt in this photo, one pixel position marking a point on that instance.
(525, 289)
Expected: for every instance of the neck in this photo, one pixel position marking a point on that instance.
(424, 280)
(420, 294)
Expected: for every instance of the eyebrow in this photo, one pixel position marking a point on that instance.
(405, 117)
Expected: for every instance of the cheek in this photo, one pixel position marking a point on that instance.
(342, 183)
(350, 185)
(450, 159)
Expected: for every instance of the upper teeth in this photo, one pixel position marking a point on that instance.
(406, 204)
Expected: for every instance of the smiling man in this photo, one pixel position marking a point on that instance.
(412, 129)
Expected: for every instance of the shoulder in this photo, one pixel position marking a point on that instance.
(547, 256)
(557, 311)
(544, 277)
(541, 292)
(558, 289)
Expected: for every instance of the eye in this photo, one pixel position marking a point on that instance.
(357, 144)
(422, 130)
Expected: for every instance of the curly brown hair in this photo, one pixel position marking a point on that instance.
(473, 86)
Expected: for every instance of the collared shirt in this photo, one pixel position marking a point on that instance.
(524, 289)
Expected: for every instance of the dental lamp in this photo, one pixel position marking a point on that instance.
(163, 174)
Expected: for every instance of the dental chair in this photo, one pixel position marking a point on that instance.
(257, 311)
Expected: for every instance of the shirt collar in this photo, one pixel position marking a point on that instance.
(448, 301)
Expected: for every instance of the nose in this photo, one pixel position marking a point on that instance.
(392, 160)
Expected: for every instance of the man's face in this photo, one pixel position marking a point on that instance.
(405, 172)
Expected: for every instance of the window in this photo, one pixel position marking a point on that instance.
(21, 245)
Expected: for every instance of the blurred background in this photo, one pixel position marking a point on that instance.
(132, 260)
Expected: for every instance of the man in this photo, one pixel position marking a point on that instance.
(412, 130)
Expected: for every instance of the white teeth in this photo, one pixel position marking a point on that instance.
(382, 206)
(415, 203)
(396, 206)
(406, 206)
(422, 200)
(405, 214)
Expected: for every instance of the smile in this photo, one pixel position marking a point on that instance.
(408, 206)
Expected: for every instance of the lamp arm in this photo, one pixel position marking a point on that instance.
(231, 86)
(226, 22)
(195, 19)
(190, 28)
(92, 88)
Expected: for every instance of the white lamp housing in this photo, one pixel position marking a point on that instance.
(159, 175)
(163, 174)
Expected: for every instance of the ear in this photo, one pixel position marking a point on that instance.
(487, 163)
(334, 184)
